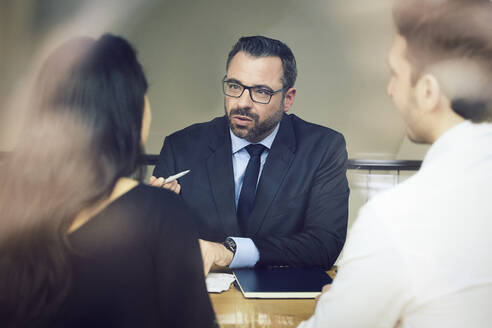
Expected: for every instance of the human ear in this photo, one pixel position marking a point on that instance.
(289, 98)
(428, 92)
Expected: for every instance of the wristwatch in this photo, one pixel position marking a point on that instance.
(230, 244)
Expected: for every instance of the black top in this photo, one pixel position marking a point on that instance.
(138, 264)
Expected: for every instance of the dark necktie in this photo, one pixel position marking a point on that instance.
(248, 190)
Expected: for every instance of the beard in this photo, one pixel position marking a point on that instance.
(260, 129)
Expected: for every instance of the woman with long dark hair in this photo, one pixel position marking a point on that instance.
(82, 244)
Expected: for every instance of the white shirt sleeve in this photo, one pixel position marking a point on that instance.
(370, 286)
(246, 253)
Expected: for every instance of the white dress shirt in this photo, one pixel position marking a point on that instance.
(246, 252)
(420, 255)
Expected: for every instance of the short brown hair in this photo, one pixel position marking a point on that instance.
(450, 30)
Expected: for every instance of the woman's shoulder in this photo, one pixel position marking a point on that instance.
(162, 205)
(144, 213)
(156, 198)
(142, 208)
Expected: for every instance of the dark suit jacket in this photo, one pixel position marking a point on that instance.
(301, 208)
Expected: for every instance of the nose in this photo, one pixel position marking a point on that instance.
(245, 99)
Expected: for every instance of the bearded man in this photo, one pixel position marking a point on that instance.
(267, 187)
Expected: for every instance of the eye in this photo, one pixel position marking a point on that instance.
(233, 86)
(262, 91)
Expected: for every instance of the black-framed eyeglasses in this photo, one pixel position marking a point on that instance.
(258, 94)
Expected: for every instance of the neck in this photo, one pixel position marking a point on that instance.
(450, 120)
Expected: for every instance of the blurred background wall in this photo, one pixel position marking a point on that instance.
(340, 47)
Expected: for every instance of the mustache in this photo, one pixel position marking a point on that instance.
(246, 111)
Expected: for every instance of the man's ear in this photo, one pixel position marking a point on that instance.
(289, 97)
(428, 93)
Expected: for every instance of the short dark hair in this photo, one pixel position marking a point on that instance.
(261, 46)
(450, 30)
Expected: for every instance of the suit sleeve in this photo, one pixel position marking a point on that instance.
(324, 225)
(165, 162)
(183, 297)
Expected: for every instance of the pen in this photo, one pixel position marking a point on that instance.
(176, 176)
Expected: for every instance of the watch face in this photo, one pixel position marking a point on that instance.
(230, 244)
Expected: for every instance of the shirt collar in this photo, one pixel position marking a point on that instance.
(240, 143)
(460, 136)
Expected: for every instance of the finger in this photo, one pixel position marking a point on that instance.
(173, 186)
(169, 185)
(152, 179)
(206, 267)
(176, 188)
(158, 182)
(326, 288)
(207, 263)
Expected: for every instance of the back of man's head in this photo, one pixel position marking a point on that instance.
(261, 46)
(451, 39)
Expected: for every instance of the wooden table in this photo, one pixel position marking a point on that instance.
(233, 310)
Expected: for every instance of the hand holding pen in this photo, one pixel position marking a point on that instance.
(170, 182)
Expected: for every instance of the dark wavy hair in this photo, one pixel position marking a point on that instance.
(261, 46)
(82, 134)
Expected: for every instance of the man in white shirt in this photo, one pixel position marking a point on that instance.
(419, 254)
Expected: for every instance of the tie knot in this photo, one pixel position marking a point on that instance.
(255, 149)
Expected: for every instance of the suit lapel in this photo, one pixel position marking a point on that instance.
(221, 175)
(277, 164)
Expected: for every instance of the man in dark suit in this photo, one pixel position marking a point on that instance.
(268, 188)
